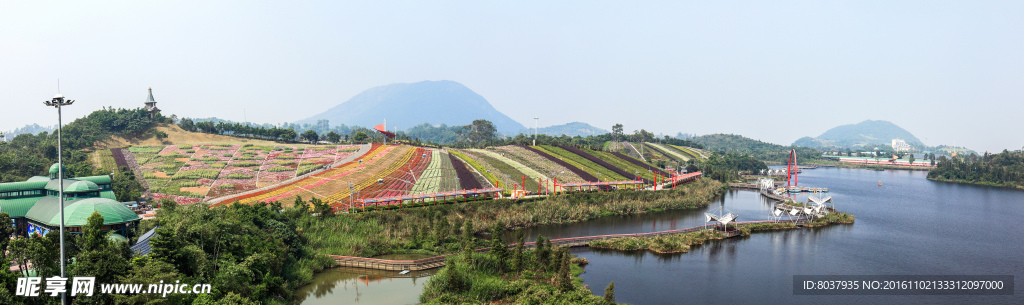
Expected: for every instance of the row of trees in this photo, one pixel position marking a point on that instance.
(729, 143)
(28, 155)
(727, 167)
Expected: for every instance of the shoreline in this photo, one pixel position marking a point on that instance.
(688, 240)
(1010, 186)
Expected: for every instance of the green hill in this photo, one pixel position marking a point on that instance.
(860, 134)
(758, 149)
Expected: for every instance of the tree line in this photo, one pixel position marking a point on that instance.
(1005, 169)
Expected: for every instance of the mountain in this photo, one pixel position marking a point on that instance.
(860, 134)
(571, 129)
(407, 105)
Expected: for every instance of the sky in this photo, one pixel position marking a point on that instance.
(947, 71)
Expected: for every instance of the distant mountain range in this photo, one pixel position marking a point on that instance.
(571, 129)
(406, 105)
(29, 129)
(859, 135)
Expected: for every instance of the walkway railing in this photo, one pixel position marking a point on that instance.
(439, 261)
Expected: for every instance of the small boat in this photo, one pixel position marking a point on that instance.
(879, 183)
(404, 272)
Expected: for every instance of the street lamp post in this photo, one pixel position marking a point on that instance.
(535, 131)
(57, 102)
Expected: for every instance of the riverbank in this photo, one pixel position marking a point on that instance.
(868, 166)
(682, 242)
(1002, 185)
(437, 230)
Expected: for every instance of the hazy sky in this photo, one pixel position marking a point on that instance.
(770, 70)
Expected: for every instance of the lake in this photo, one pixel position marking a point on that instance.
(908, 225)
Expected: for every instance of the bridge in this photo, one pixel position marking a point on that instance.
(439, 261)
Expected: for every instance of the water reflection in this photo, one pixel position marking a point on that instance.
(363, 286)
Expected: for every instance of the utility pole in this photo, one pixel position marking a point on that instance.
(57, 102)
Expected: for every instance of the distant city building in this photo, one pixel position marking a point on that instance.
(32, 204)
(151, 105)
(900, 145)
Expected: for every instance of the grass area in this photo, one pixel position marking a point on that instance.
(663, 244)
(832, 218)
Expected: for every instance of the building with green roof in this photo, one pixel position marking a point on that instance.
(33, 204)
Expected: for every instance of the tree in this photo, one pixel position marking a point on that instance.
(564, 279)
(187, 125)
(911, 159)
(617, 131)
(360, 137)
(126, 187)
(479, 132)
(160, 135)
(498, 247)
(99, 257)
(467, 233)
(311, 136)
(517, 257)
(543, 252)
(6, 231)
(333, 137)
(609, 293)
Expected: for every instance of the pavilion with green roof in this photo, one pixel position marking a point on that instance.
(33, 204)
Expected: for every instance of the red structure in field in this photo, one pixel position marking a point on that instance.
(382, 128)
(792, 169)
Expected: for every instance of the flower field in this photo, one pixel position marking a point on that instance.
(330, 185)
(558, 160)
(437, 177)
(193, 173)
(646, 171)
(639, 163)
(531, 174)
(540, 163)
(601, 172)
(508, 176)
(401, 180)
(601, 162)
(468, 179)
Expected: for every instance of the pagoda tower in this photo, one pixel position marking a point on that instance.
(151, 105)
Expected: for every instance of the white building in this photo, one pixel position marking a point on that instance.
(900, 145)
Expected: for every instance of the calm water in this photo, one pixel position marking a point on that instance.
(907, 226)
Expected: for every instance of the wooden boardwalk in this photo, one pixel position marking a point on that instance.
(439, 261)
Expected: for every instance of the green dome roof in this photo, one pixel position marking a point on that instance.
(54, 167)
(81, 186)
(77, 212)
